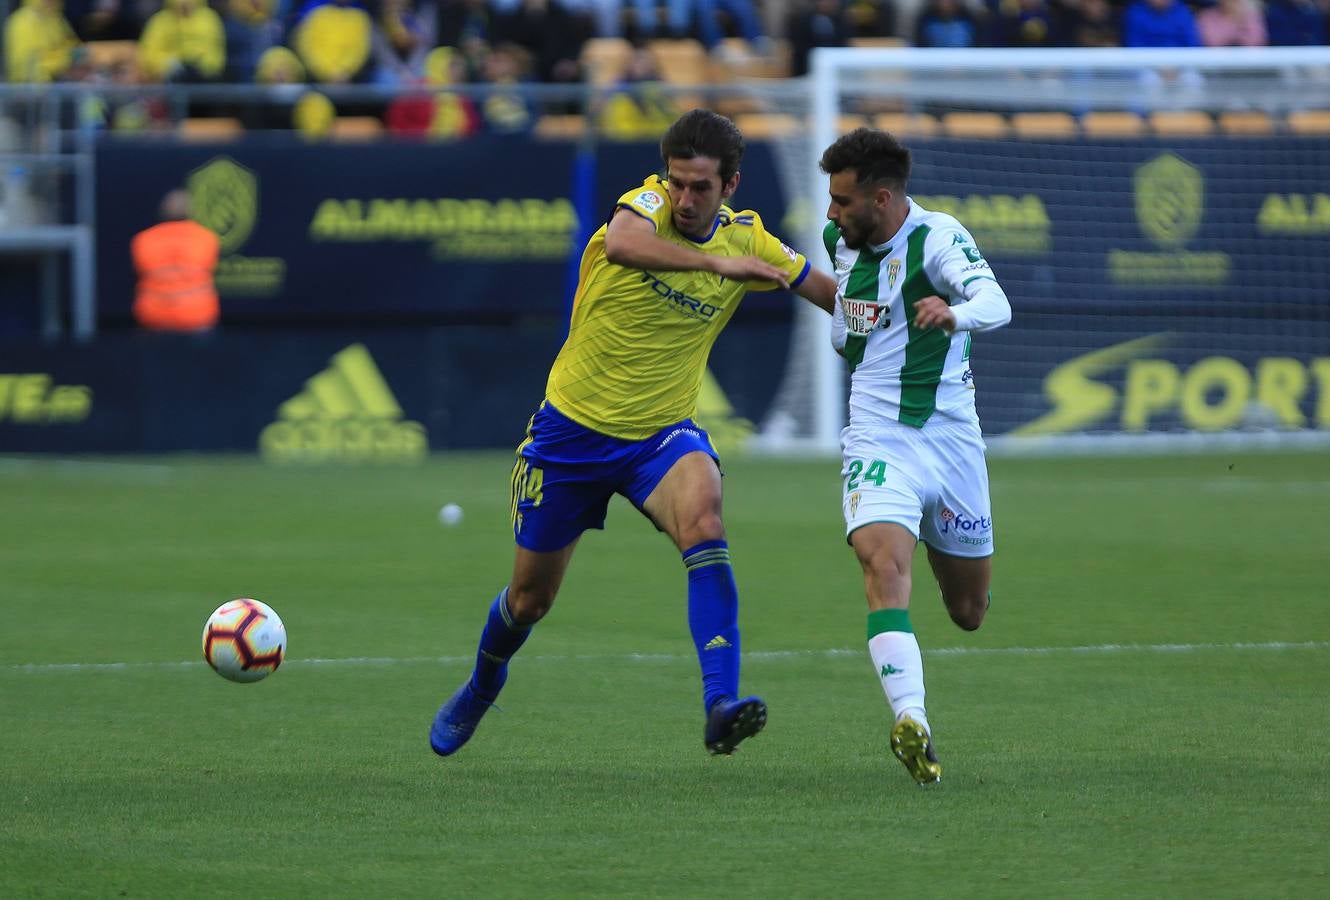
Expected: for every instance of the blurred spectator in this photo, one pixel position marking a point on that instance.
(506, 111)
(1296, 23)
(313, 116)
(281, 70)
(741, 15)
(252, 27)
(815, 23)
(1092, 23)
(638, 108)
(404, 37)
(1159, 23)
(183, 42)
(279, 65)
(944, 23)
(467, 25)
(333, 40)
(871, 18)
(1232, 23)
(1025, 23)
(175, 261)
(551, 34)
(444, 115)
(606, 15)
(110, 20)
(40, 44)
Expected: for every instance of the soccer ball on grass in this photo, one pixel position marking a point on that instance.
(244, 640)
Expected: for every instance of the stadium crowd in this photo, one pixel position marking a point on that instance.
(434, 44)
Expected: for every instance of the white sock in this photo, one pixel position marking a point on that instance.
(900, 670)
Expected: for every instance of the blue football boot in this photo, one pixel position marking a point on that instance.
(457, 719)
(730, 721)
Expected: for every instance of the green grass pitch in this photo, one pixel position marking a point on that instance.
(1146, 711)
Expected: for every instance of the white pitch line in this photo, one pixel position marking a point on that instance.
(1275, 646)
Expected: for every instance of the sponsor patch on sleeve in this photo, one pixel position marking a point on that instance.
(649, 201)
(789, 251)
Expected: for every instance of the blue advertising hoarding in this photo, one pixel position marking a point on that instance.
(477, 230)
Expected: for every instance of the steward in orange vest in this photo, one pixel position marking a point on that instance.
(175, 261)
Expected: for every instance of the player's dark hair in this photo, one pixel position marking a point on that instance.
(875, 156)
(701, 132)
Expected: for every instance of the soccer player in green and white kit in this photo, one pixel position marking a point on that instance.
(912, 287)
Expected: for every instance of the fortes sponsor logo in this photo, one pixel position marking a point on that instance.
(964, 526)
(689, 306)
(347, 413)
(31, 398)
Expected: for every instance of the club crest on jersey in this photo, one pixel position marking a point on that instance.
(649, 200)
(893, 270)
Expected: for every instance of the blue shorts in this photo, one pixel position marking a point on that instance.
(566, 473)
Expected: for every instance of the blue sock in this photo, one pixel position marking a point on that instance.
(713, 618)
(501, 638)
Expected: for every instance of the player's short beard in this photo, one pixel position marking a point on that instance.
(860, 229)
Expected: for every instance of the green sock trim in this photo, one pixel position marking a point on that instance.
(882, 620)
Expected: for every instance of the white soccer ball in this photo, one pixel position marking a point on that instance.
(450, 514)
(244, 640)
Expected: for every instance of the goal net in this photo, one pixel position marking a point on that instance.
(1160, 220)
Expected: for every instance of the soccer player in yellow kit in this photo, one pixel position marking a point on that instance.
(657, 284)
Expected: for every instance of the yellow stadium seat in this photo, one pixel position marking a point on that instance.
(974, 124)
(211, 130)
(848, 122)
(887, 42)
(107, 54)
(761, 126)
(355, 128)
(906, 124)
(681, 61)
(1252, 122)
(1112, 124)
(1181, 123)
(1044, 125)
(604, 59)
(1309, 121)
(560, 127)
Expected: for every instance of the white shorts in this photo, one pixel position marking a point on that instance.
(932, 480)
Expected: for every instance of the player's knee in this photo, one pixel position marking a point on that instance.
(968, 611)
(530, 602)
(696, 529)
(884, 566)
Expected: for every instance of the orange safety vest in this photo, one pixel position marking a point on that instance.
(175, 262)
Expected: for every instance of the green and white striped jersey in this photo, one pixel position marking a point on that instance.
(900, 373)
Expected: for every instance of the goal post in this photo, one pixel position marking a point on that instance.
(1160, 219)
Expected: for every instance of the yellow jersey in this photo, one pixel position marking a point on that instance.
(638, 341)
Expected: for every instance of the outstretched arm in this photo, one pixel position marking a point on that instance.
(631, 241)
(819, 289)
